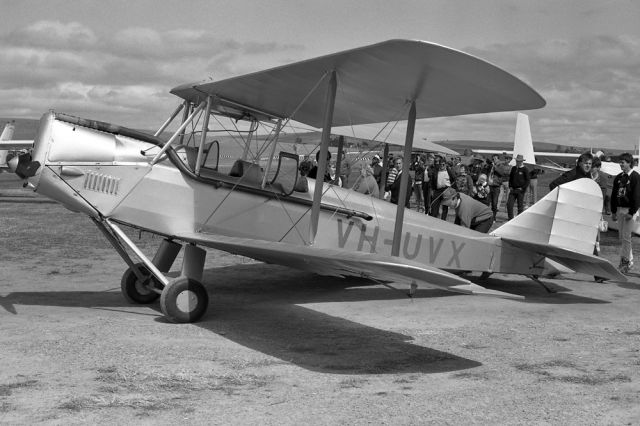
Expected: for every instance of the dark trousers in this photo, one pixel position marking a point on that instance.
(483, 226)
(515, 194)
(426, 195)
(435, 207)
(494, 196)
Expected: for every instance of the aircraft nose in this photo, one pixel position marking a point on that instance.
(23, 165)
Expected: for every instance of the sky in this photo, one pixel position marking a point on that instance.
(116, 61)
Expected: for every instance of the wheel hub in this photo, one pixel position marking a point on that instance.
(143, 286)
(187, 301)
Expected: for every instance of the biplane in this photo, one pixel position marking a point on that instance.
(261, 207)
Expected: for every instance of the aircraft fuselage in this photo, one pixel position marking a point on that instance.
(108, 175)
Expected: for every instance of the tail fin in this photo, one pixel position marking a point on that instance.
(7, 132)
(522, 143)
(563, 227)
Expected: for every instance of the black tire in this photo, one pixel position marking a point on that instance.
(184, 300)
(136, 291)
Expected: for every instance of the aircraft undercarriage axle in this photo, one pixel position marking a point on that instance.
(183, 299)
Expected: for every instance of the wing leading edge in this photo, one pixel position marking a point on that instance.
(374, 84)
(332, 262)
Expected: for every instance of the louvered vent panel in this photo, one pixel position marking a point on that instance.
(99, 182)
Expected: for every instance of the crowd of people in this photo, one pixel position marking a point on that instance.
(488, 181)
(491, 182)
(477, 189)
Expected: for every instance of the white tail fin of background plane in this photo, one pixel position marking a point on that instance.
(7, 133)
(522, 143)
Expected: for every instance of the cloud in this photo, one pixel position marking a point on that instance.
(53, 35)
(125, 75)
(590, 84)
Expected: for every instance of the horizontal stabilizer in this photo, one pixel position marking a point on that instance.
(334, 262)
(579, 262)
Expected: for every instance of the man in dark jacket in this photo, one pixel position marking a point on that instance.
(394, 187)
(496, 174)
(582, 170)
(313, 173)
(625, 200)
(518, 183)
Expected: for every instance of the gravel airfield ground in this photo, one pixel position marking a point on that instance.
(279, 346)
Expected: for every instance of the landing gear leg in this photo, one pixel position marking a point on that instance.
(185, 299)
(148, 289)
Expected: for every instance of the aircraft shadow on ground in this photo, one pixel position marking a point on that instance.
(79, 299)
(256, 306)
(534, 292)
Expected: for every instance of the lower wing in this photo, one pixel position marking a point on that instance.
(333, 262)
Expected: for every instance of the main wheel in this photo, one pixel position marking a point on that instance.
(136, 290)
(184, 300)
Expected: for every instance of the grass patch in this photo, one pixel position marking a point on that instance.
(471, 375)
(474, 346)
(352, 383)
(7, 389)
(255, 363)
(119, 381)
(567, 372)
(231, 383)
(94, 402)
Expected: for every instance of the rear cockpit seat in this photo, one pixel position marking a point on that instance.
(249, 172)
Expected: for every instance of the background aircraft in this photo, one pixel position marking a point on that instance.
(11, 148)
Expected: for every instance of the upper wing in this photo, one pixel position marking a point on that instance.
(341, 263)
(374, 85)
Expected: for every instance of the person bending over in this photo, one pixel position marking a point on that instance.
(469, 212)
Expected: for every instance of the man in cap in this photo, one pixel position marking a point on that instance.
(518, 183)
(469, 212)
